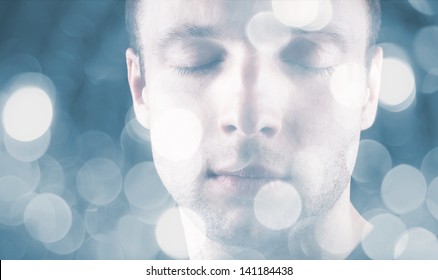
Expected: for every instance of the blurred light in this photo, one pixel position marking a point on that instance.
(347, 85)
(136, 238)
(313, 162)
(114, 43)
(99, 144)
(392, 50)
(28, 151)
(425, 43)
(308, 14)
(143, 188)
(195, 231)
(417, 244)
(18, 63)
(372, 163)
(432, 198)
(136, 131)
(11, 213)
(277, 205)
(77, 25)
(429, 165)
(72, 240)
(102, 220)
(424, 6)
(380, 243)
(47, 218)
(430, 82)
(12, 187)
(170, 234)
(52, 176)
(99, 181)
(27, 114)
(104, 248)
(151, 216)
(397, 89)
(403, 189)
(176, 134)
(266, 33)
(28, 171)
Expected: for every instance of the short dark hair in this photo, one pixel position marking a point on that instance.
(374, 15)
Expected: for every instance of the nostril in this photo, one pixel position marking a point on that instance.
(268, 131)
(229, 128)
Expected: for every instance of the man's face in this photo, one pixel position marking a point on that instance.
(238, 102)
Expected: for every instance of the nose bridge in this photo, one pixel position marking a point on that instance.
(247, 111)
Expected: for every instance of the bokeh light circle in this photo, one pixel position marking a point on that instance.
(30, 172)
(430, 82)
(104, 248)
(380, 243)
(72, 240)
(27, 114)
(99, 181)
(12, 187)
(266, 33)
(170, 234)
(397, 88)
(403, 189)
(136, 238)
(417, 244)
(424, 6)
(176, 134)
(296, 13)
(277, 205)
(28, 151)
(373, 161)
(12, 212)
(47, 218)
(143, 188)
(349, 94)
(101, 220)
(429, 165)
(425, 43)
(432, 198)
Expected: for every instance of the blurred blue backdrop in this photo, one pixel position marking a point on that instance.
(68, 57)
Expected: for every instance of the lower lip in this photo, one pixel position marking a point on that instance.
(238, 186)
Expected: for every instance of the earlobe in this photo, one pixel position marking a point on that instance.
(371, 101)
(137, 87)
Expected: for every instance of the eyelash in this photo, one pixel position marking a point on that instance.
(322, 71)
(198, 70)
(205, 68)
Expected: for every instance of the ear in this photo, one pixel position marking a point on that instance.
(371, 101)
(137, 86)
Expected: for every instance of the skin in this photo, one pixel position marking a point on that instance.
(273, 112)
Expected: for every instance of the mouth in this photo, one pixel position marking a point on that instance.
(245, 182)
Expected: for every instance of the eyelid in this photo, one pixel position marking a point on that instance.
(195, 52)
(309, 54)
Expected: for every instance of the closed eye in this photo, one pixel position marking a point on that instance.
(307, 69)
(303, 56)
(200, 69)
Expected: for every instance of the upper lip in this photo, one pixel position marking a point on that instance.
(250, 171)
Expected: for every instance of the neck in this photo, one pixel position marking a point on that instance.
(334, 235)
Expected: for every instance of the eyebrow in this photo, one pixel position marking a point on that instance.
(197, 31)
(188, 31)
(334, 33)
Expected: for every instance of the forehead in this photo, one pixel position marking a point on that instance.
(157, 19)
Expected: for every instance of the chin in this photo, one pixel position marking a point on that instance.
(238, 227)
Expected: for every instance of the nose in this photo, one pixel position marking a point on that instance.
(249, 119)
(249, 111)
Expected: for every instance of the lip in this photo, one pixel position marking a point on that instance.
(244, 182)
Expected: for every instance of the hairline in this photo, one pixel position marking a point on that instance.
(373, 16)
